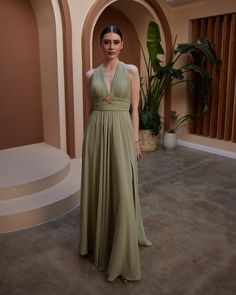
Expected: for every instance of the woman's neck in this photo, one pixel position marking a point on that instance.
(111, 64)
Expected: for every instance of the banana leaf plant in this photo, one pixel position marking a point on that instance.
(161, 75)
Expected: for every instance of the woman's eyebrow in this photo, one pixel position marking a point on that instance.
(111, 39)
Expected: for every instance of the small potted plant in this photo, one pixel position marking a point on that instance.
(176, 122)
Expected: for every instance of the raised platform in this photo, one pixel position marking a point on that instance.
(37, 183)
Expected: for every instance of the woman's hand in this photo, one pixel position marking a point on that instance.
(138, 150)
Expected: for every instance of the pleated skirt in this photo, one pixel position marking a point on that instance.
(111, 224)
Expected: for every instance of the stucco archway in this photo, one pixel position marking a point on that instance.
(68, 72)
(40, 105)
(91, 19)
(55, 35)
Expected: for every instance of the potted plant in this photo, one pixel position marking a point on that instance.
(161, 75)
(176, 122)
(149, 117)
(150, 96)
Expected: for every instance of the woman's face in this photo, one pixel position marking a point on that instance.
(111, 44)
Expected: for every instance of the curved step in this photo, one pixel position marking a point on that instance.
(40, 207)
(31, 169)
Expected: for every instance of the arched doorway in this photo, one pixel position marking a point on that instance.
(68, 76)
(36, 70)
(54, 26)
(146, 9)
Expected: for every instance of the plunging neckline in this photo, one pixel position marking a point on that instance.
(113, 78)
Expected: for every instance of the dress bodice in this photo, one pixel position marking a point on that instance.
(119, 96)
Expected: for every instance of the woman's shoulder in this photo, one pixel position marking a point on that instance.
(132, 69)
(89, 74)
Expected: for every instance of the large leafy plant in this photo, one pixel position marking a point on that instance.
(161, 75)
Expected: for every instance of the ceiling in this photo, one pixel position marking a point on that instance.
(180, 2)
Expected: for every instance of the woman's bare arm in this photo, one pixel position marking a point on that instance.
(87, 96)
(135, 85)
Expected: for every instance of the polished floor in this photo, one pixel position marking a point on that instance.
(188, 202)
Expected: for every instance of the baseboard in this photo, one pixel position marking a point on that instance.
(207, 149)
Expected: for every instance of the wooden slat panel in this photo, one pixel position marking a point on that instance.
(234, 123)
(209, 68)
(220, 119)
(231, 81)
(231, 95)
(196, 26)
(200, 126)
(215, 84)
(196, 29)
(203, 32)
(223, 76)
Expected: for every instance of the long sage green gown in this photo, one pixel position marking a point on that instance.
(111, 225)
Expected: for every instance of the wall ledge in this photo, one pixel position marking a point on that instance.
(207, 149)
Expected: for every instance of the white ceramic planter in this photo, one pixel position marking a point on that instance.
(169, 141)
(147, 141)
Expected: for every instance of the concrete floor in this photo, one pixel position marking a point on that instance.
(188, 202)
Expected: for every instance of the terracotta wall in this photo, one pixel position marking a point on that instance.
(20, 89)
(131, 50)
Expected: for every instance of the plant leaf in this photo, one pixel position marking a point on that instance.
(150, 120)
(154, 44)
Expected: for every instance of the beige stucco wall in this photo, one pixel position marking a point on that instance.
(52, 71)
(178, 17)
(78, 13)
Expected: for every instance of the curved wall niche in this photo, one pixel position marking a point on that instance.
(21, 118)
(146, 9)
(33, 102)
(52, 71)
(131, 50)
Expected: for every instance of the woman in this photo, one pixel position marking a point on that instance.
(111, 224)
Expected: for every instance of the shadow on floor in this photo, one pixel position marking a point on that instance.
(188, 201)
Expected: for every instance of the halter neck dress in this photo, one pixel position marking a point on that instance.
(111, 225)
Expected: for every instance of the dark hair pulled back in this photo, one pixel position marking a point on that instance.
(111, 29)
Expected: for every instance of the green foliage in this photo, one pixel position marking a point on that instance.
(177, 121)
(154, 45)
(160, 75)
(150, 120)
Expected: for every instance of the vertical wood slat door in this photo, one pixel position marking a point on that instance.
(220, 119)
